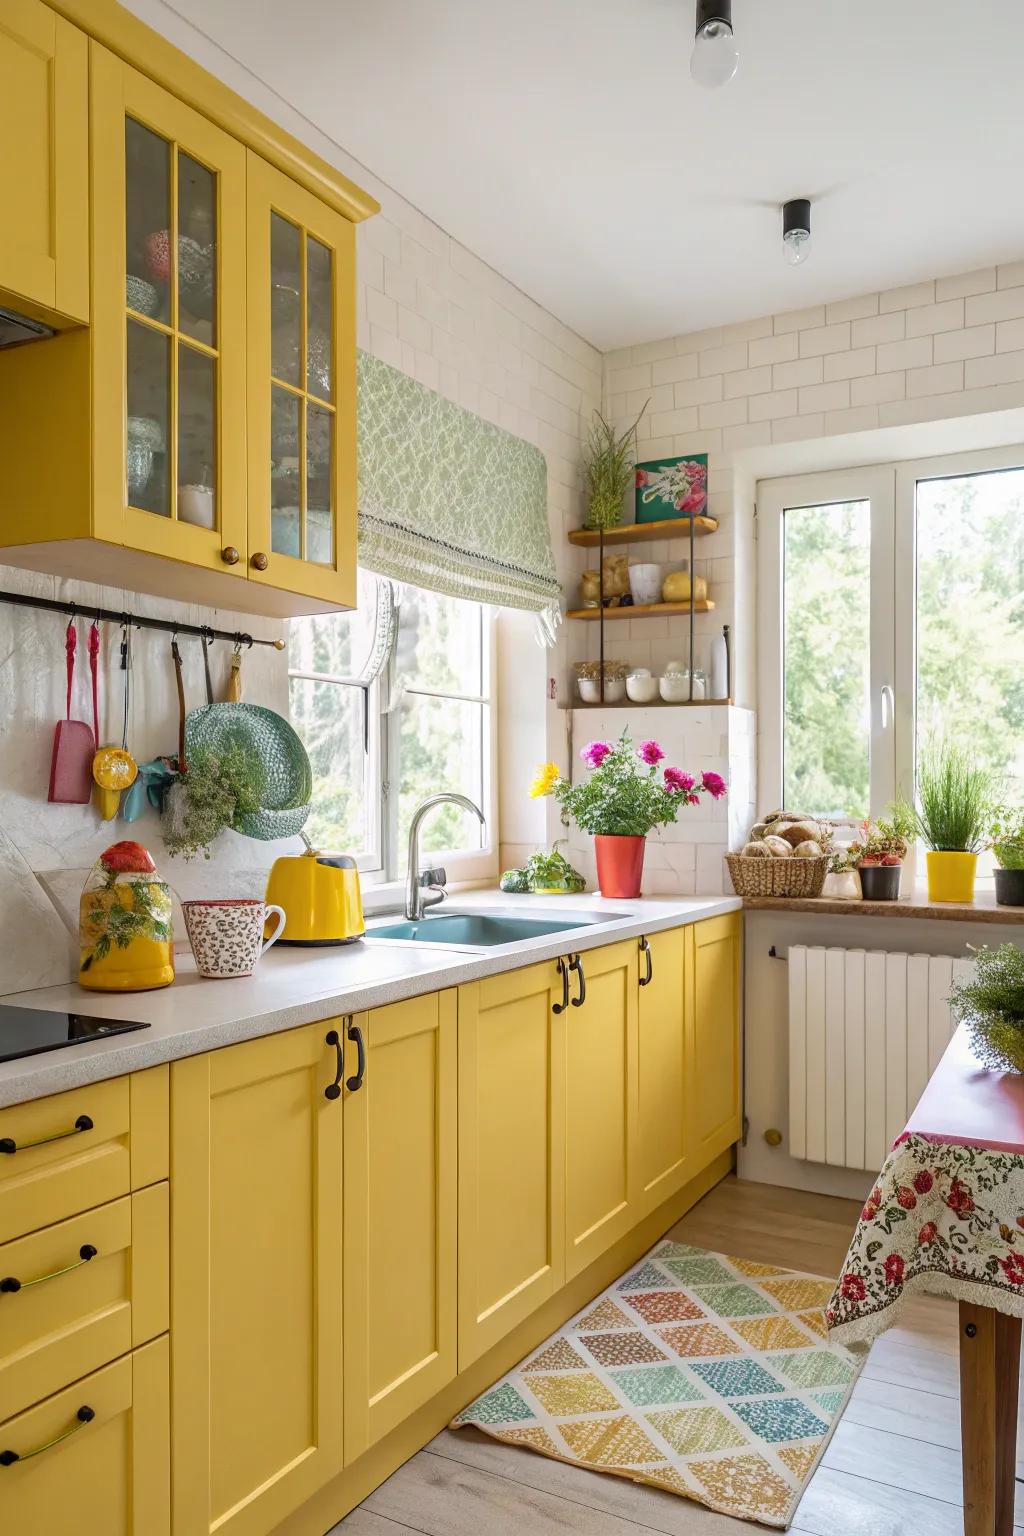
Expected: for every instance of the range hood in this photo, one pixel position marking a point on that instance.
(15, 328)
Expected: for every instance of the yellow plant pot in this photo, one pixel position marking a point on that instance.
(951, 876)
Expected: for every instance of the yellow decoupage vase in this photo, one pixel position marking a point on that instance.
(126, 935)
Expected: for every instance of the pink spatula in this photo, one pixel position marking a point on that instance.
(73, 745)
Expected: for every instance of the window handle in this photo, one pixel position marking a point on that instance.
(888, 699)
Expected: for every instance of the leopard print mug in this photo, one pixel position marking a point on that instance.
(227, 936)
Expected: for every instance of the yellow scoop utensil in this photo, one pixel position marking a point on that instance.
(113, 768)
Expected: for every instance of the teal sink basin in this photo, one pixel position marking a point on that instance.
(482, 929)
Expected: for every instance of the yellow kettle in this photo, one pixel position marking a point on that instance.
(320, 896)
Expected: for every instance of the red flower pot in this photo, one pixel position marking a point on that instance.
(620, 865)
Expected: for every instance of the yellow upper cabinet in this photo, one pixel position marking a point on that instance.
(168, 363)
(197, 441)
(302, 382)
(44, 171)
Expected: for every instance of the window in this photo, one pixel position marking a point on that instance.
(890, 614)
(377, 748)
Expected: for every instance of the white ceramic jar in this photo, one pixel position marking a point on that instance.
(641, 687)
(645, 583)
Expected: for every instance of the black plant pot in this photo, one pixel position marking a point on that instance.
(1010, 887)
(880, 882)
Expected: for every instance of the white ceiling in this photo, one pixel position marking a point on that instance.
(564, 142)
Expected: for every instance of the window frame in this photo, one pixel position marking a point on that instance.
(383, 864)
(892, 487)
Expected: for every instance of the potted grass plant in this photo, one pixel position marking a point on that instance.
(625, 796)
(608, 466)
(879, 853)
(954, 795)
(1006, 840)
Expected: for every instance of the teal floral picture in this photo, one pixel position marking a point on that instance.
(672, 487)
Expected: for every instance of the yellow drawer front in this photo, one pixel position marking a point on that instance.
(75, 1150)
(79, 1294)
(94, 1459)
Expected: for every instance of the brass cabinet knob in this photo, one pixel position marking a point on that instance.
(259, 561)
(229, 554)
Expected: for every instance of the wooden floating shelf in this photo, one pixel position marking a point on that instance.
(644, 533)
(654, 704)
(642, 610)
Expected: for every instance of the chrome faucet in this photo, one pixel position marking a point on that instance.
(415, 900)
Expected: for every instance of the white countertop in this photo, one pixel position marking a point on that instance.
(301, 986)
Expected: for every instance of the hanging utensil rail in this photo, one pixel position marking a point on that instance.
(112, 616)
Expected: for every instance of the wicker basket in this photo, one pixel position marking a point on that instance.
(777, 877)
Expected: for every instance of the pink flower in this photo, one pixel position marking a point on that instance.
(906, 1197)
(595, 752)
(641, 478)
(693, 502)
(714, 784)
(923, 1181)
(852, 1287)
(650, 753)
(927, 1234)
(894, 1269)
(677, 782)
(959, 1199)
(693, 799)
(696, 470)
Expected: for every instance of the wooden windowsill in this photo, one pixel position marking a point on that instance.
(981, 910)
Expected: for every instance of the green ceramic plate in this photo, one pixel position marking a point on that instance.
(277, 754)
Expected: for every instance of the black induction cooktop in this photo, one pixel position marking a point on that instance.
(26, 1031)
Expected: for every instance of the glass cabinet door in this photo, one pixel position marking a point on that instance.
(301, 390)
(172, 306)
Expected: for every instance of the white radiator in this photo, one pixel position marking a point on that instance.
(866, 1031)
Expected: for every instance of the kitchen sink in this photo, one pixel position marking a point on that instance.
(482, 930)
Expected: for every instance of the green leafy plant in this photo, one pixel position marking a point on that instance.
(991, 1004)
(608, 467)
(884, 841)
(214, 792)
(627, 792)
(144, 913)
(1006, 837)
(543, 872)
(954, 800)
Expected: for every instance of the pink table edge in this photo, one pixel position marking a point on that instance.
(969, 1105)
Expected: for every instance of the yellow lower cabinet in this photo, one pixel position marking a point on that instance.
(78, 1294)
(601, 1183)
(93, 1460)
(256, 1301)
(511, 1152)
(662, 1068)
(400, 1213)
(715, 1117)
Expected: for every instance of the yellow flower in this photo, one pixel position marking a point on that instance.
(544, 783)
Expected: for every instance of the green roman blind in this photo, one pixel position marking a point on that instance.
(446, 500)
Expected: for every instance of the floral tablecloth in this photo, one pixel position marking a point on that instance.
(944, 1217)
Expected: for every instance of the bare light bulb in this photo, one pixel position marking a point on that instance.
(715, 55)
(796, 230)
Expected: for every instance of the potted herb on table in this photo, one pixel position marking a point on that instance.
(954, 798)
(879, 854)
(625, 796)
(1006, 840)
(991, 1004)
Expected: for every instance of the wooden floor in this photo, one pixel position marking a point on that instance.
(891, 1469)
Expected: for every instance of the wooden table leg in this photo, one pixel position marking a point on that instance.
(989, 1374)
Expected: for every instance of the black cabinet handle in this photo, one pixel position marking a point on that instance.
(85, 1415)
(355, 1034)
(645, 950)
(576, 964)
(333, 1090)
(563, 971)
(10, 1146)
(9, 1286)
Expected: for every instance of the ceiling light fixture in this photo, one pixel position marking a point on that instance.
(796, 229)
(715, 55)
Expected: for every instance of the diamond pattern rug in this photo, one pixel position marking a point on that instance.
(703, 1374)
